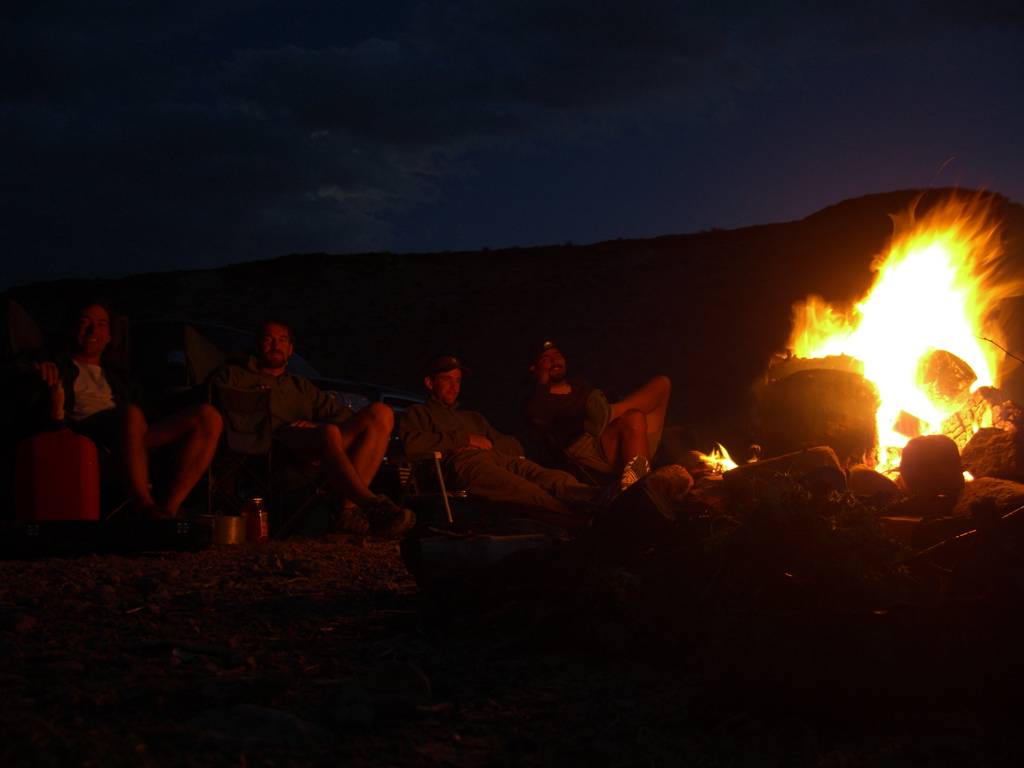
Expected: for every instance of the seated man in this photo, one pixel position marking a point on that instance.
(317, 428)
(593, 432)
(90, 394)
(484, 462)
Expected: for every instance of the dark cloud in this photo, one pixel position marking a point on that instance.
(154, 135)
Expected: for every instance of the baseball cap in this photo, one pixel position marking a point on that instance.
(540, 348)
(443, 364)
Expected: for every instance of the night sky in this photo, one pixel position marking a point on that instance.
(138, 136)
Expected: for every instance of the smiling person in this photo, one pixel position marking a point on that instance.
(578, 417)
(91, 394)
(484, 462)
(317, 428)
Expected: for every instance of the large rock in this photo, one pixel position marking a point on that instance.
(1007, 494)
(795, 465)
(994, 452)
(672, 483)
(866, 482)
(930, 466)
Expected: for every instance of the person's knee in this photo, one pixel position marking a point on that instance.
(330, 437)
(132, 419)
(210, 421)
(633, 421)
(382, 416)
(662, 388)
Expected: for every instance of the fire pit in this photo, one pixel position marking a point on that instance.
(919, 355)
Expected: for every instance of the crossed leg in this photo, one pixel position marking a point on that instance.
(349, 453)
(637, 422)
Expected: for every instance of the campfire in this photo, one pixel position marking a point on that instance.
(920, 354)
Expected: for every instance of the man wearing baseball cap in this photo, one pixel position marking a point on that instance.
(607, 437)
(484, 462)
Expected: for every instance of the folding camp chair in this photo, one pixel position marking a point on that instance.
(245, 466)
(422, 479)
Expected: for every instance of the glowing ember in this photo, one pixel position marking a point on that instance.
(930, 312)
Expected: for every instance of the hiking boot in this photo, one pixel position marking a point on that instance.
(635, 468)
(348, 521)
(386, 519)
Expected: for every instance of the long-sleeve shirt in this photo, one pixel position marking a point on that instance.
(292, 398)
(432, 426)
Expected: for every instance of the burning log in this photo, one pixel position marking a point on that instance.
(786, 366)
(980, 411)
(908, 425)
(945, 379)
(821, 407)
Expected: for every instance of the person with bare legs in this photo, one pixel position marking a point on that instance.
(619, 437)
(487, 464)
(92, 395)
(317, 428)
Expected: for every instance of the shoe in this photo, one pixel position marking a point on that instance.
(387, 519)
(348, 521)
(635, 468)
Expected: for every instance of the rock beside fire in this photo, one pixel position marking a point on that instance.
(930, 466)
(742, 479)
(671, 483)
(993, 452)
(867, 483)
(1007, 495)
(818, 407)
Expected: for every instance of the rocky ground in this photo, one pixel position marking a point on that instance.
(306, 653)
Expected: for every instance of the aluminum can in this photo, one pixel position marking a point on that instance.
(257, 521)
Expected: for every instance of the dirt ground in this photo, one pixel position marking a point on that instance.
(307, 653)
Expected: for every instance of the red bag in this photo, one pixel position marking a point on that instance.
(57, 477)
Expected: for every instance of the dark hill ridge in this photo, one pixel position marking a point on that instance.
(706, 309)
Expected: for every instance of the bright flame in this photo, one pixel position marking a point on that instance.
(936, 289)
(719, 460)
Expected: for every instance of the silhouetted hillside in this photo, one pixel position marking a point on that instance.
(706, 309)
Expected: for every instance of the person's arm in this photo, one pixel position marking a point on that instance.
(507, 444)
(420, 433)
(52, 380)
(326, 407)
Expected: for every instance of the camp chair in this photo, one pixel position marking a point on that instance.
(422, 479)
(243, 465)
(20, 332)
(251, 463)
(171, 360)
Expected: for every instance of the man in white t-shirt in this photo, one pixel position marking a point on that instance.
(92, 396)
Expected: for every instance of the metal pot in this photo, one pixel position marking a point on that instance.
(220, 529)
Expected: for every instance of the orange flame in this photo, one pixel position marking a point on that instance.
(718, 460)
(937, 289)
